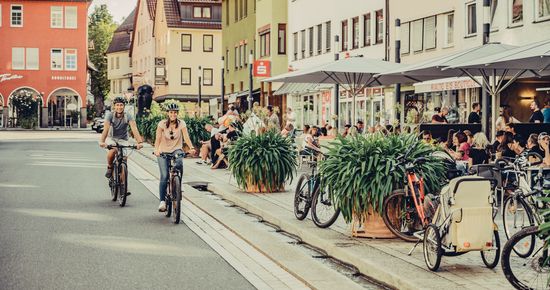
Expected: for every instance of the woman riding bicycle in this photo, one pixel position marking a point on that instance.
(169, 139)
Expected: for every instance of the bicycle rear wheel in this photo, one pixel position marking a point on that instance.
(516, 216)
(323, 212)
(114, 188)
(490, 257)
(302, 197)
(400, 216)
(432, 247)
(532, 272)
(122, 184)
(176, 199)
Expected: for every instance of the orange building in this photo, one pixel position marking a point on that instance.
(43, 53)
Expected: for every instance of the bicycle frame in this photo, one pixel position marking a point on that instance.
(418, 197)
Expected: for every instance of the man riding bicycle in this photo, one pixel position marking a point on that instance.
(116, 127)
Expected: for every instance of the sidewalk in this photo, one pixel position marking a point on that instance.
(383, 260)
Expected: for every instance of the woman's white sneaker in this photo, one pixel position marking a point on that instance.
(162, 206)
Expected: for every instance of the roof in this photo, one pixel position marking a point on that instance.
(128, 24)
(122, 37)
(173, 15)
(151, 5)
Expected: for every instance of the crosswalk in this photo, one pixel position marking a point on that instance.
(63, 159)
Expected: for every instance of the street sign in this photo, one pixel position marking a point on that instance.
(262, 68)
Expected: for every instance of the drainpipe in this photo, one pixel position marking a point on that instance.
(387, 29)
(398, 60)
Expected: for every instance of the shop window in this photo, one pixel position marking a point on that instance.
(16, 17)
(542, 10)
(471, 19)
(186, 76)
(515, 15)
(207, 74)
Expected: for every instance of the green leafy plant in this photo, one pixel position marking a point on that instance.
(195, 127)
(266, 161)
(361, 171)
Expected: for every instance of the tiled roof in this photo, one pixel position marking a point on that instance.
(128, 24)
(120, 42)
(152, 5)
(173, 16)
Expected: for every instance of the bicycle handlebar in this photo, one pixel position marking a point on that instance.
(121, 146)
(171, 155)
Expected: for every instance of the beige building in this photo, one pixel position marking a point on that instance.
(142, 50)
(188, 53)
(119, 67)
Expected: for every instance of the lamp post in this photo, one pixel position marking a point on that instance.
(484, 99)
(336, 87)
(398, 60)
(251, 67)
(200, 94)
(223, 85)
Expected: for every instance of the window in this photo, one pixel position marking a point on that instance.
(379, 26)
(449, 33)
(319, 39)
(303, 43)
(227, 59)
(112, 62)
(226, 13)
(70, 59)
(186, 76)
(207, 76)
(17, 58)
(117, 66)
(265, 43)
(471, 25)
(405, 38)
(206, 12)
(295, 45)
(236, 10)
(186, 42)
(494, 11)
(56, 17)
(56, 56)
(70, 17)
(344, 35)
(328, 37)
(241, 9)
(542, 9)
(367, 33)
(281, 39)
(242, 56)
(355, 33)
(32, 59)
(245, 59)
(202, 12)
(245, 8)
(197, 12)
(310, 32)
(16, 16)
(208, 43)
(516, 13)
(417, 38)
(236, 57)
(430, 32)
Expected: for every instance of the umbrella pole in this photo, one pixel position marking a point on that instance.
(493, 105)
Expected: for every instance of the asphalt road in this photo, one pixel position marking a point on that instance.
(59, 229)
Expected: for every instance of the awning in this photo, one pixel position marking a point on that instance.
(232, 98)
(446, 84)
(294, 88)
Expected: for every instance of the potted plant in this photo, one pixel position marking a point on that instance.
(262, 162)
(361, 171)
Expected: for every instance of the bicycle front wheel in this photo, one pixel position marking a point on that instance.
(531, 272)
(176, 199)
(302, 197)
(516, 215)
(122, 184)
(400, 216)
(323, 212)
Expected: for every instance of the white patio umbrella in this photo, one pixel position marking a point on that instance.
(354, 74)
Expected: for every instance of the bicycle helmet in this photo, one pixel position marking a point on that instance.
(172, 107)
(119, 100)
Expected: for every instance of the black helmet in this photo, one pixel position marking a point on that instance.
(172, 107)
(119, 100)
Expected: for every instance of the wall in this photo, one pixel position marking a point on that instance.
(143, 52)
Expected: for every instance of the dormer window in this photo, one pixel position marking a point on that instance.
(202, 12)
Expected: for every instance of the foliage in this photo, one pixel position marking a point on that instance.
(100, 32)
(361, 171)
(26, 106)
(195, 127)
(267, 160)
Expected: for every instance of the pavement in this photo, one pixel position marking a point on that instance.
(384, 260)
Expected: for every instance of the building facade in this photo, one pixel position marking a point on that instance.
(142, 49)
(119, 66)
(188, 53)
(43, 54)
(361, 29)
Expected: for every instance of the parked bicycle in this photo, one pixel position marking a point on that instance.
(118, 182)
(312, 194)
(173, 192)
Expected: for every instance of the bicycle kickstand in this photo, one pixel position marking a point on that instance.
(414, 247)
(420, 237)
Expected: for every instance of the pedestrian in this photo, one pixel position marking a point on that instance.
(474, 117)
(171, 133)
(537, 116)
(546, 111)
(273, 119)
(440, 116)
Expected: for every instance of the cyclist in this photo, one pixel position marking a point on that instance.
(169, 139)
(116, 127)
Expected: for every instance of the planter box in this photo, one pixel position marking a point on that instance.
(260, 188)
(373, 226)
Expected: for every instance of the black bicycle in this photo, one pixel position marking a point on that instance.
(173, 193)
(118, 182)
(312, 194)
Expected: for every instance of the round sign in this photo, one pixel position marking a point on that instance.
(71, 107)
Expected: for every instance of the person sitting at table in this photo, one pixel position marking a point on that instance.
(427, 137)
(470, 137)
(479, 152)
(503, 150)
(499, 138)
(448, 144)
(460, 141)
(517, 145)
(533, 144)
(505, 118)
(346, 130)
(439, 117)
(311, 145)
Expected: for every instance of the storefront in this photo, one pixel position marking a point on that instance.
(369, 107)
(312, 107)
(63, 108)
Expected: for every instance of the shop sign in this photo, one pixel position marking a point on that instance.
(262, 68)
(9, 77)
(448, 84)
(160, 71)
(63, 78)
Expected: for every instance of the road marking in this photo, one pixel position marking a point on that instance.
(65, 164)
(75, 215)
(61, 158)
(17, 185)
(258, 269)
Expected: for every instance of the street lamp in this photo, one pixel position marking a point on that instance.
(200, 94)
(251, 66)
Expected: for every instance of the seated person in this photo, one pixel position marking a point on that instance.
(226, 141)
(311, 145)
(503, 150)
(479, 152)
(206, 146)
(427, 137)
(288, 130)
(517, 145)
(499, 138)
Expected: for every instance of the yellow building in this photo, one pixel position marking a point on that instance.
(188, 53)
(119, 68)
(142, 50)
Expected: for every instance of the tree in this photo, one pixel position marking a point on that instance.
(100, 32)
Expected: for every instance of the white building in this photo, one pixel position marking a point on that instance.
(119, 67)
(361, 27)
(142, 50)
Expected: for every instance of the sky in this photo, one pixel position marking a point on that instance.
(118, 8)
